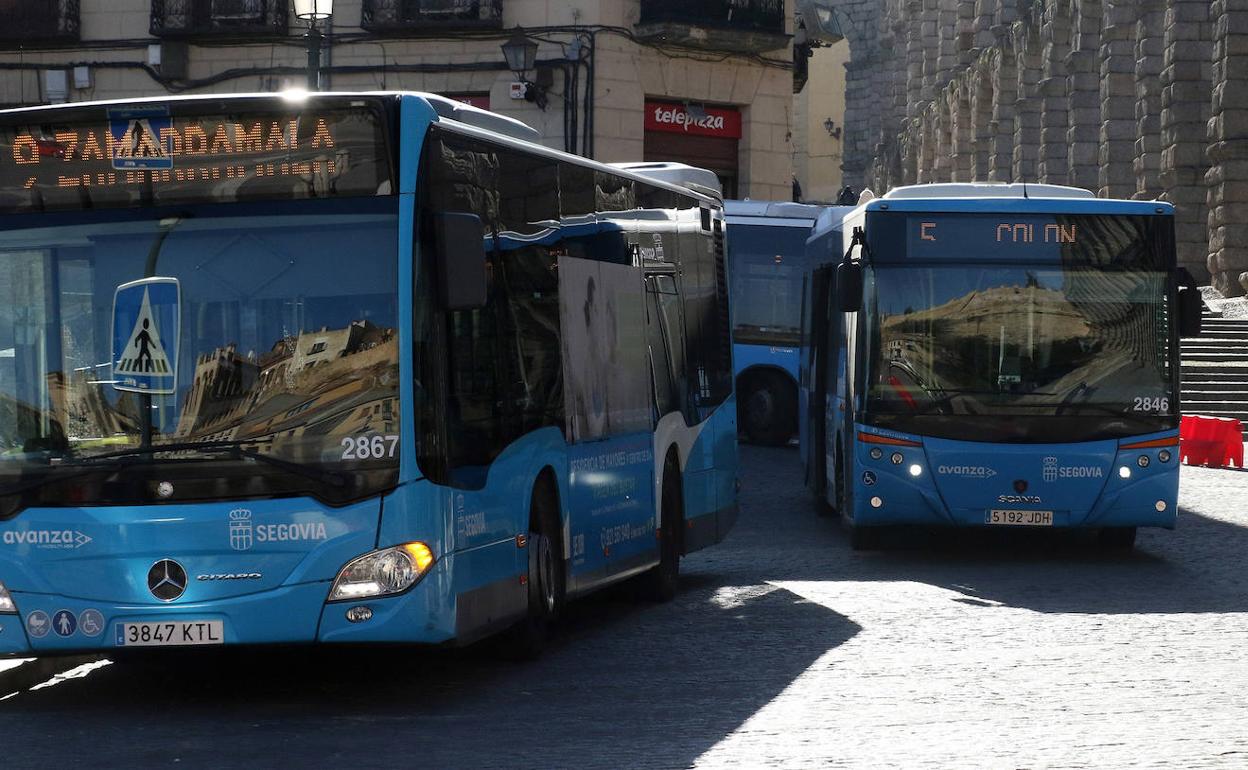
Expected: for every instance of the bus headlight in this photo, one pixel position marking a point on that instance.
(382, 573)
(876, 453)
(897, 458)
(1142, 461)
(1164, 455)
(7, 607)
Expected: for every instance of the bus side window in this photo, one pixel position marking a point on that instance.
(665, 391)
(669, 308)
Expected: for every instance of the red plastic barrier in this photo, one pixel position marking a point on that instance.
(1214, 441)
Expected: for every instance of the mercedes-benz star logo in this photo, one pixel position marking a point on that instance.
(166, 580)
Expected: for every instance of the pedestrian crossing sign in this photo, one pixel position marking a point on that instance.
(145, 335)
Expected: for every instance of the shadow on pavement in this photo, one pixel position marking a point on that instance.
(626, 684)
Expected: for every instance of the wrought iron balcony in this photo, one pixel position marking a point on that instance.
(219, 18)
(38, 21)
(416, 16)
(739, 26)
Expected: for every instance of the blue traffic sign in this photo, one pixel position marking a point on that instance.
(145, 335)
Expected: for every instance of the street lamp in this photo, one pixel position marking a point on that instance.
(313, 11)
(521, 55)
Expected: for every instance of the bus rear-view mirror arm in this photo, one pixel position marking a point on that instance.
(1190, 303)
(459, 250)
(849, 277)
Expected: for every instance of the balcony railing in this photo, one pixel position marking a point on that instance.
(415, 16)
(38, 21)
(221, 18)
(731, 25)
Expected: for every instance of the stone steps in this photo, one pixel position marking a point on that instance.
(1215, 369)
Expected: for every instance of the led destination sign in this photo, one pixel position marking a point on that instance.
(1124, 240)
(147, 156)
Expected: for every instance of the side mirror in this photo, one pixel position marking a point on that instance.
(459, 251)
(849, 287)
(1190, 304)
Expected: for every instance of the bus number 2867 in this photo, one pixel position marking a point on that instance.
(374, 447)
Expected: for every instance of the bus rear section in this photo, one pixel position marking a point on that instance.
(766, 262)
(1005, 359)
(348, 369)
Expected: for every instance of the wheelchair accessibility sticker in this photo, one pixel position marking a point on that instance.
(145, 335)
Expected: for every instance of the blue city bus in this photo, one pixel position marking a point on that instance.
(766, 262)
(999, 356)
(344, 368)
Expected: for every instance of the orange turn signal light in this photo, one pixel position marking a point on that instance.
(1153, 444)
(871, 438)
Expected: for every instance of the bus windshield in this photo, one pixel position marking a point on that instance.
(1015, 342)
(766, 277)
(286, 347)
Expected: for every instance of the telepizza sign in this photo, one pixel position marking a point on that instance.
(674, 117)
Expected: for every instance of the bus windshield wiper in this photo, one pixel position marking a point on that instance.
(230, 448)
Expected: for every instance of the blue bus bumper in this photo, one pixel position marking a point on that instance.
(293, 614)
(958, 484)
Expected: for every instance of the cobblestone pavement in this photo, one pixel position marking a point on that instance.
(783, 649)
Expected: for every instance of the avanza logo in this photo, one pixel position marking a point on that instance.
(967, 471)
(68, 539)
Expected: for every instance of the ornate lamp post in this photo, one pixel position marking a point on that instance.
(313, 11)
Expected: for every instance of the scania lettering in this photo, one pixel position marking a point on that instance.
(344, 368)
(1004, 336)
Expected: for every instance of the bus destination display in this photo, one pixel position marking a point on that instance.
(147, 156)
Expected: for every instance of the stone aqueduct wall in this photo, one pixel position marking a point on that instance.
(1130, 98)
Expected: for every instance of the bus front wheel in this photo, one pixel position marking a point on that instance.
(546, 576)
(767, 410)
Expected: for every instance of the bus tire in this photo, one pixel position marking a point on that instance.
(1117, 538)
(660, 582)
(547, 577)
(767, 410)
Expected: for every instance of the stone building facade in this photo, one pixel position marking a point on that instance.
(1130, 98)
(603, 66)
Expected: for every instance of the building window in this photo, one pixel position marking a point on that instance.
(42, 21)
(226, 18)
(416, 16)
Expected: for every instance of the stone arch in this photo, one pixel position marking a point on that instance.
(1083, 94)
(1117, 91)
(1002, 68)
(1150, 44)
(1025, 38)
(983, 102)
(962, 133)
(861, 21)
(942, 160)
(1228, 137)
(966, 32)
(910, 140)
(929, 146)
(987, 16)
(1186, 101)
(1054, 161)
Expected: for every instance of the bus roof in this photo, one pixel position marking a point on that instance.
(1007, 198)
(772, 209)
(500, 127)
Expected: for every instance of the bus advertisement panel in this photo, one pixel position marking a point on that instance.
(347, 368)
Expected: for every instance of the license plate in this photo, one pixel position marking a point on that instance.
(172, 633)
(1020, 518)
